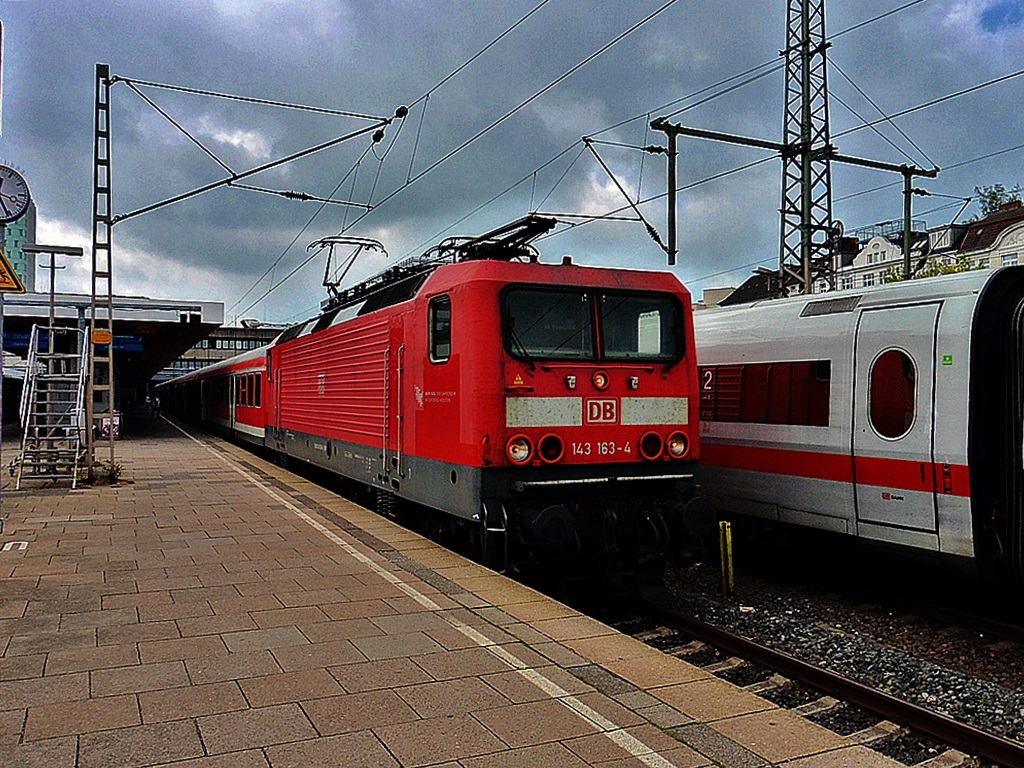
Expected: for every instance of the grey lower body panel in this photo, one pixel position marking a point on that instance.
(460, 490)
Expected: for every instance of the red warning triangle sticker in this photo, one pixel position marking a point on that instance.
(9, 280)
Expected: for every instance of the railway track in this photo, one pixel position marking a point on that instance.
(824, 696)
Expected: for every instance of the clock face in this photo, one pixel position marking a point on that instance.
(14, 195)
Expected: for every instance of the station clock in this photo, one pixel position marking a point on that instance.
(14, 195)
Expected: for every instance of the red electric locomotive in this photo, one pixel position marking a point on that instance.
(551, 409)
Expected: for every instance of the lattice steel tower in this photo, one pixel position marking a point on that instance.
(100, 416)
(805, 254)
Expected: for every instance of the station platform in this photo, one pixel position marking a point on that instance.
(213, 610)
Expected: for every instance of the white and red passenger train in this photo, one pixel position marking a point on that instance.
(550, 408)
(893, 414)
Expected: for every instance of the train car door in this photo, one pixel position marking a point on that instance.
(894, 420)
(232, 400)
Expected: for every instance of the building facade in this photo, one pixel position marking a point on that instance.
(998, 239)
(13, 237)
(223, 343)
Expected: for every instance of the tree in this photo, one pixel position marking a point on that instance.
(991, 196)
(933, 269)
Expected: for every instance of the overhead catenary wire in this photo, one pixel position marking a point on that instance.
(525, 103)
(529, 100)
(932, 103)
(874, 129)
(881, 112)
(248, 99)
(424, 99)
(295, 239)
(950, 167)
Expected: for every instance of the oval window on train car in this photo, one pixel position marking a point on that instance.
(893, 394)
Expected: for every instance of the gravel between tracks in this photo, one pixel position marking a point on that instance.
(799, 626)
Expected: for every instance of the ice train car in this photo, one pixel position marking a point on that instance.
(893, 414)
(549, 408)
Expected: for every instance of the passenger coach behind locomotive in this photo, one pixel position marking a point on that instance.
(548, 407)
(893, 414)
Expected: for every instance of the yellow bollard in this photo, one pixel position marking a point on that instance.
(725, 556)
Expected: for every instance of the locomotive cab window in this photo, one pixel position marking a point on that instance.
(591, 325)
(638, 327)
(439, 330)
(549, 325)
(893, 394)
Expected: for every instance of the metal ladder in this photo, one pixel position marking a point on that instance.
(53, 411)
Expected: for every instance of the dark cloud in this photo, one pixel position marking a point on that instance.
(371, 56)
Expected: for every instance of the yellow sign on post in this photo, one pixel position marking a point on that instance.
(9, 280)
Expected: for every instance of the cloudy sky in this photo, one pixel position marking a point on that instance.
(517, 151)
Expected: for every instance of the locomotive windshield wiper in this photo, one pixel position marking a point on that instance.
(520, 347)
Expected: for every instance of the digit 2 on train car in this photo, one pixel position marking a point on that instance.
(548, 409)
(892, 414)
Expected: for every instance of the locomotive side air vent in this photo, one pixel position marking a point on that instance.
(830, 306)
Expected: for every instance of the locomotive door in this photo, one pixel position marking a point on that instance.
(394, 363)
(893, 417)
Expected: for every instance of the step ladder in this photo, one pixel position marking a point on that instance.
(53, 408)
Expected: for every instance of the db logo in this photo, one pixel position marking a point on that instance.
(602, 411)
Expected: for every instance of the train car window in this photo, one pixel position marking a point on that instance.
(795, 393)
(753, 394)
(258, 391)
(640, 327)
(893, 394)
(439, 329)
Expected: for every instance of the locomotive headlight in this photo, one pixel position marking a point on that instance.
(677, 445)
(519, 449)
(550, 449)
(651, 446)
(600, 380)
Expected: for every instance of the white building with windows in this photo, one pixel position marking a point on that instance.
(998, 239)
(881, 250)
(994, 241)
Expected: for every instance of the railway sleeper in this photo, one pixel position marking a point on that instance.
(733, 662)
(773, 683)
(880, 731)
(951, 758)
(818, 706)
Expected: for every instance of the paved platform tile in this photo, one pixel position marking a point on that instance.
(143, 745)
(193, 701)
(78, 717)
(290, 686)
(342, 751)
(358, 711)
(254, 728)
(426, 742)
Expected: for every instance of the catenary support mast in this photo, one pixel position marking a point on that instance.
(100, 421)
(805, 253)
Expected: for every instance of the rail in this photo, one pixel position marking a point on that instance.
(1004, 752)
